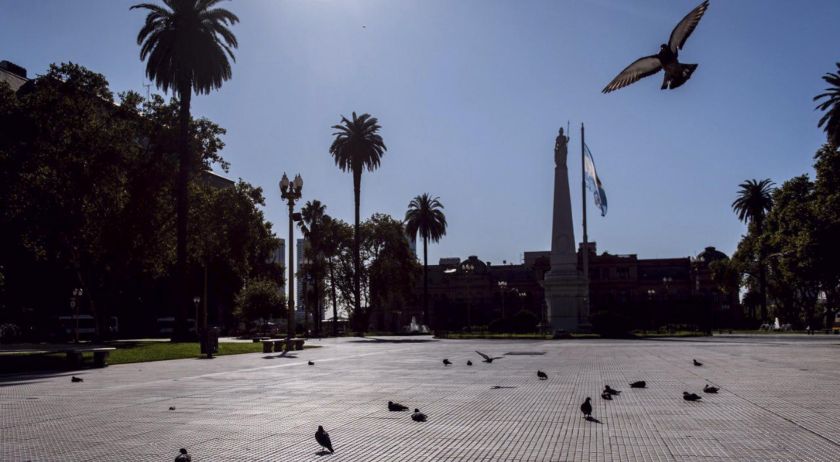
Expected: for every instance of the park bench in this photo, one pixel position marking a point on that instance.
(278, 345)
(75, 356)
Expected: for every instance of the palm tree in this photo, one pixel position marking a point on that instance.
(754, 201)
(357, 146)
(186, 45)
(311, 225)
(831, 107)
(425, 216)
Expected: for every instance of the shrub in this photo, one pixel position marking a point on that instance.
(260, 300)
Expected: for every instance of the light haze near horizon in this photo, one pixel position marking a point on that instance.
(470, 95)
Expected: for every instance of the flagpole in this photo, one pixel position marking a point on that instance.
(585, 249)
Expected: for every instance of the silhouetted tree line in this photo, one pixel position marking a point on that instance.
(87, 187)
(789, 260)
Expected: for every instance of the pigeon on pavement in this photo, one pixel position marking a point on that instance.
(323, 438)
(418, 416)
(606, 396)
(542, 375)
(610, 390)
(311, 363)
(676, 73)
(446, 362)
(697, 363)
(586, 407)
(710, 389)
(691, 396)
(396, 407)
(638, 384)
(469, 363)
(75, 379)
(183, 456)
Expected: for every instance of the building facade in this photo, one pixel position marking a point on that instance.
(646, 293)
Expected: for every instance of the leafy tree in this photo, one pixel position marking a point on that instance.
(337, 240)
(830, 105)
(232, 240)
(261, 299)
(827, 209)
(357, 146)
(425, 216)
(752, 204)
(789, 233)
(186, 45)
(311, 225)
(86, 187)
(391, 268)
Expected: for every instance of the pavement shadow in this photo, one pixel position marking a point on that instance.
(394, 340)
(16, 379)
(281, 355)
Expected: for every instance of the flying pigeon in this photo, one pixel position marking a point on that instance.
(610, 390)
(418, 416)
(586, 408)
(542, 375)
(676, 73)
(75, 379)
(638, 384)
(469, 363)
(710, 389)
(697, 363)
(311, 363)
(171, 408)
(396, 407)
(606, 396)
(691, 396)
(183, 456)
(446, 362)
(487, 359)
(323, 438)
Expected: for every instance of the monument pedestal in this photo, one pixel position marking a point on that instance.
(565, 296)
(565, 288)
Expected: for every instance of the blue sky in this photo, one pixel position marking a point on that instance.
(470, 94)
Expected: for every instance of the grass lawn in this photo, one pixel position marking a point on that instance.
(159, 351)
(125, 353)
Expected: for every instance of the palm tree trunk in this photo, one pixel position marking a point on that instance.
(334, 302)
(182, 208)
(426, 281)
(357, 293)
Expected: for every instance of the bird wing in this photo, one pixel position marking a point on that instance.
(482, 355)
(640, 69)
(684, 29)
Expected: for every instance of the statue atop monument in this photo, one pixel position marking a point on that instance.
(561, 149)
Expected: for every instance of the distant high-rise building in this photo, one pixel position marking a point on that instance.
(279, 256)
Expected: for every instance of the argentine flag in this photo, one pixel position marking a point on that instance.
(593, 183)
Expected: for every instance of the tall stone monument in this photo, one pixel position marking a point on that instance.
(565, 289)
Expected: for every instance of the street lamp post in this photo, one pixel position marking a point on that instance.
(74, 303)
(290, 191)
(502, 287)
(666, 282)
(196, 302)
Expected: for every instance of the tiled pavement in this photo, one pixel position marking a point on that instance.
(780, 400)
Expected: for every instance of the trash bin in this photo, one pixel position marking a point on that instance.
(210, 341)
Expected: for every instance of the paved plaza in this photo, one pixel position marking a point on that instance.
(779, 400)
